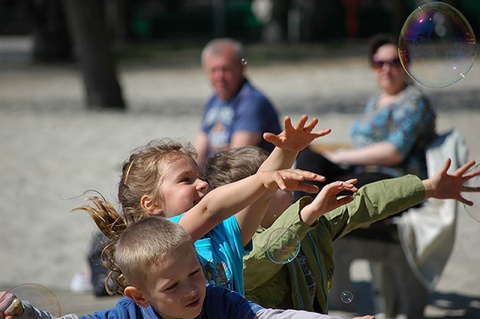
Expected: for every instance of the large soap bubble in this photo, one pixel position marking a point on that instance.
(437, 46)
(473, 211)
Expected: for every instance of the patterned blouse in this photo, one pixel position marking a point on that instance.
(408, 123)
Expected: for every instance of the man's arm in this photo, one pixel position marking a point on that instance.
(201, 145)
(245, 138)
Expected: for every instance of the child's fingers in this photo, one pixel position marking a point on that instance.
(465, 201)
(308, 175)
(269, 137)
(307, 188)
(351, 181)
(15, 308)
(321, 133)
(5, 300)
(287, 124)
(344, 200)
(301, 122)
(310, 126)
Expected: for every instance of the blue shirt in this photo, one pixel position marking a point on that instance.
(409, 124)
(219, 303)
(221, 253)
(248, 111)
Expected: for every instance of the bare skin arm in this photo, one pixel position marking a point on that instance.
(244, 138)
(201, 145)
(229, 199)
(288, 143)
(381, 153)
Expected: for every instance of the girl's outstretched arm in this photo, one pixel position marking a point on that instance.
(287, 145)
(227, 200)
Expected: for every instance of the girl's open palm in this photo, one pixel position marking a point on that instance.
(298, 137)
(450, 186)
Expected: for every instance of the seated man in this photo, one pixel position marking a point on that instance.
(237, 114)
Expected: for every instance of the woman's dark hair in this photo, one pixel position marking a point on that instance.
(377, 41)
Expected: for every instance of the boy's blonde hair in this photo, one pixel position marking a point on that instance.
(145, 243)
(234, 164)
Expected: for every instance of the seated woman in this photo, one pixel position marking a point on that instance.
(390, 137)
(388, 140)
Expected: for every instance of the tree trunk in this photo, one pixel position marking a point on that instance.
(89, 31)
(51, 40)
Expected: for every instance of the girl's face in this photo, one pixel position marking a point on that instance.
(177, 287)
(389, 73)
(181, 187)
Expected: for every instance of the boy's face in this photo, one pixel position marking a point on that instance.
(177, 286)
(181, 187)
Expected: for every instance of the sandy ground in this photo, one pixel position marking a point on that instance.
(53, 150)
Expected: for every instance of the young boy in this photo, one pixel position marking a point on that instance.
(305, 282)
(163, 279)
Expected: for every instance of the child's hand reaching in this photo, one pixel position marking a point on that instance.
(450, 186)
(290, 179)
(327, 200)
(298, 137)
(10, 306)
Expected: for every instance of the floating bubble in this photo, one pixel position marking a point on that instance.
(437, 46)
(346, 296)
(244, 61)
(473, 211)
(38, 296)
(283, 245)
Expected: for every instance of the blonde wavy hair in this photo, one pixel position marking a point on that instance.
(142, 175)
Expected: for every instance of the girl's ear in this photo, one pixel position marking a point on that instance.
(137, 296)
(149, 205)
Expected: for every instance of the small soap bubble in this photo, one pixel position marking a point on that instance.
(283, 245)
(38, 296)
(437, 46)
(346, 296)
(244, 61)
(473, 211)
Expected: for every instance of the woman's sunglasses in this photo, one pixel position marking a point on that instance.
(378, 64)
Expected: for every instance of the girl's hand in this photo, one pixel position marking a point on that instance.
(291, 180)
(298, 137)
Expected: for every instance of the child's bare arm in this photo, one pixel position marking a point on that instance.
(229, 199)
(287, 145)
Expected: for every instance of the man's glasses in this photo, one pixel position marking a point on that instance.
(378, 64)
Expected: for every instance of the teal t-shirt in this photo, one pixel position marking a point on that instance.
(221, 253)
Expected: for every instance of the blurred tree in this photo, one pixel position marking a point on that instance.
(87, 22)
(51, 40)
